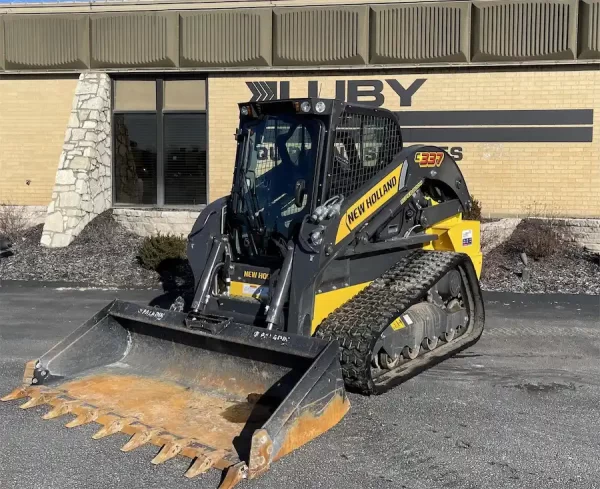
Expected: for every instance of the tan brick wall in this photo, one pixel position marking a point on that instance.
(33, 118)
(508, 178)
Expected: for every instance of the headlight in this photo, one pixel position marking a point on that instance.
(320, 107)
(305, 106)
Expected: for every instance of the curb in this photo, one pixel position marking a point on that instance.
(46, 284)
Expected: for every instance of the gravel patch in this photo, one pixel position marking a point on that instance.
(104, 254)
(571, 270)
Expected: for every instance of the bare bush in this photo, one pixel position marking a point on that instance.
(473, 214)
(552, 218)
(538, 238)
(13, 220)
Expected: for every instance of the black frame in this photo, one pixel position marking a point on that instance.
(159, 80)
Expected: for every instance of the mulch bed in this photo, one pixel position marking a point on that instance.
(105, 255)
(571, 270)
(555, 263)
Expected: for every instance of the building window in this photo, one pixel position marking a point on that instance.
(160, 142)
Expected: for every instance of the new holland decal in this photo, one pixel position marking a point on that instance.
(372, 200)
(254, 274)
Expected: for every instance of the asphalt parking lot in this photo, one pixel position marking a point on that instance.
(519, 409)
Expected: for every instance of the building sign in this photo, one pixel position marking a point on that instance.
(367, 92)
(447, 126)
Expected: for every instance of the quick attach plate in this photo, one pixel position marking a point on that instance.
(207, 322)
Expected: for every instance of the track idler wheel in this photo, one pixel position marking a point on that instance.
(388, 362)
(411, 353)
(430, 344)
(448, 336)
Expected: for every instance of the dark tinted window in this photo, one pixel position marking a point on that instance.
(282, 151)
(135, 158)
(159, 149)
(185, 159)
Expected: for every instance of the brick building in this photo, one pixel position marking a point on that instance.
(134, 105)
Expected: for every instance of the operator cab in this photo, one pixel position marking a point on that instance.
(279, 147)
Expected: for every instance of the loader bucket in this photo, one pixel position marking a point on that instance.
(226, 395)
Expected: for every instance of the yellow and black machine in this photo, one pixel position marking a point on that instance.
(340, 262)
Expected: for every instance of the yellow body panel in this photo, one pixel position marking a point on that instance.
(456, 234)
(327, 302)
(372, 200)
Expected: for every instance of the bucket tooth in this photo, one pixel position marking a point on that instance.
(88, 415)
(60, 409)
(169, 450)
(36, 400)
(235, 474)
(139, 439)
(19, 393)
(80, 420)
(204, 462)
(111, 428)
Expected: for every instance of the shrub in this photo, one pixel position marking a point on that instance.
(13, 221)
(475, 213)
(155, 250)
(537, 238)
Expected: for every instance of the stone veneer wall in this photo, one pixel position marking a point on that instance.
(585, 232)
(144, 222)
(83, 184)
(495, 233)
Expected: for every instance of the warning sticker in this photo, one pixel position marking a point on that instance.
(467, 237)
(397, 324)
(255, 290)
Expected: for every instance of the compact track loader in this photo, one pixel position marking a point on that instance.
(340, 262)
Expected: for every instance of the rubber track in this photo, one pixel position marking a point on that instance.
(358, 323)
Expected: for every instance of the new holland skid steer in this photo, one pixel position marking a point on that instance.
(340, 262)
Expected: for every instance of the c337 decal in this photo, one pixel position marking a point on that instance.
(372, 200)
(429, 159)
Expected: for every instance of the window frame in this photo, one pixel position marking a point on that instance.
(159, 80)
